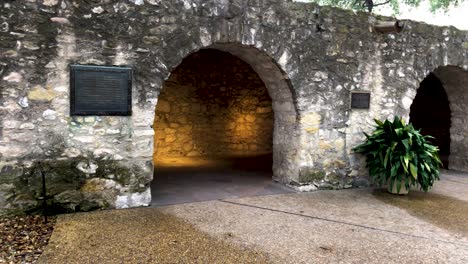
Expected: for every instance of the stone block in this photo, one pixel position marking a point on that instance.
(163, 106)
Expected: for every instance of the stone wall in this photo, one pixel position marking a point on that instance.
(213, 104)
(310, 59)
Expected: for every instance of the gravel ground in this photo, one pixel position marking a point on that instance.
(143, 235)
(22, 239)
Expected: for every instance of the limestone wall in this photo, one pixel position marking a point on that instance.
(309, 58)
(213, 104)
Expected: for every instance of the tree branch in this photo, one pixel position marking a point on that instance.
(383, 3)
(370, 4)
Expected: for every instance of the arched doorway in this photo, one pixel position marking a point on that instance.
(430, 112)
(440, 108)
(213, 131)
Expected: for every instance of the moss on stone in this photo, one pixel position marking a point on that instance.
(334, 178)
(308, 175)
(131, 177)
(9, 173)
(67, 188)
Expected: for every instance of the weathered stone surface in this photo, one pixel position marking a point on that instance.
(87, 167)
(50, 2)
(23, 102)
(49, 114)
(38, 93)
(61, 20)
(13, 77)
(308, 57)
(71, 186)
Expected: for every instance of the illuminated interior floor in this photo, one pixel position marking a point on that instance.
(184, 180)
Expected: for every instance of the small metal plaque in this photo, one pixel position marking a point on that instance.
(100, 90)
(360, 100)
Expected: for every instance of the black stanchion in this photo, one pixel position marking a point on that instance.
(44, 192)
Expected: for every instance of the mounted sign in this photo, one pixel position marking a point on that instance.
(100, 90)
(360, 100)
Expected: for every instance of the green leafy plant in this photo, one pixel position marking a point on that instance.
(397, 152)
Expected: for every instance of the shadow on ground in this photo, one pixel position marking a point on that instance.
(443, 211)
(195, 179)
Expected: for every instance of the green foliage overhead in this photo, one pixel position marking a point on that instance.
(397, 152)
(368, 5)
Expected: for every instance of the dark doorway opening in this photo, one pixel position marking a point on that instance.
(431, 113)
(213, 132)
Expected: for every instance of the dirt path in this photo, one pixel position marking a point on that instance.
(23, 238)
(142, 235)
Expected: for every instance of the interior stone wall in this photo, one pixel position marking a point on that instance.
(213, 104)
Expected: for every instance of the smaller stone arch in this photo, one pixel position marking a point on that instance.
(454, 80)
(430, 113)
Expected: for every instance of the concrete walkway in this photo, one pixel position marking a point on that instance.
(345, 226)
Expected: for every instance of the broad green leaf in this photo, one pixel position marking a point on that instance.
(406, 158)
(405, 143)
(378, 122)
(427, 167)
(398, 131)
(389, 150)
(414, 171)
(405, 166)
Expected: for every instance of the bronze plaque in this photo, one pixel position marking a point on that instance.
(100, 90)
(360, 100)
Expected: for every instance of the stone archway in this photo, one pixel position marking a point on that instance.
(430, 112)
(224, 120)
(453, 82)
(283, 104)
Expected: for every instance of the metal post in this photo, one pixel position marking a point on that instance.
(44, 192)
